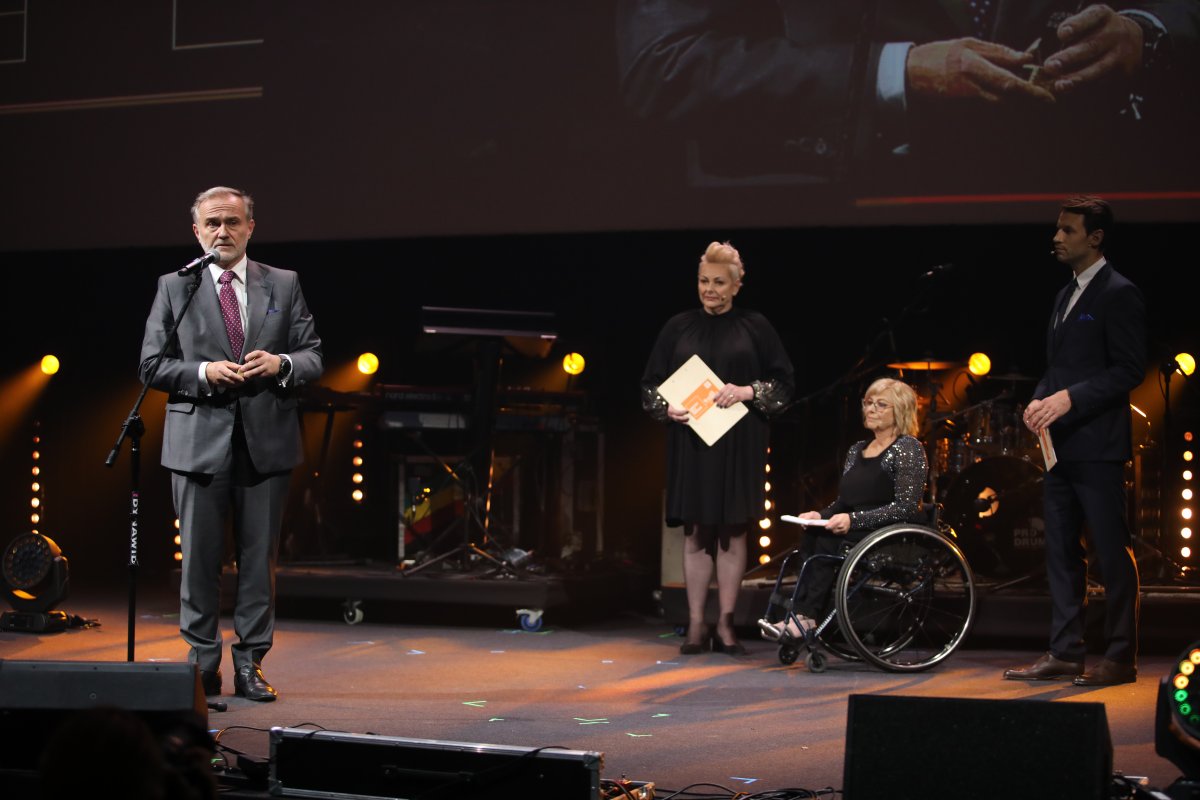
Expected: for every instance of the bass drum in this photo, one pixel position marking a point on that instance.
(995, 508)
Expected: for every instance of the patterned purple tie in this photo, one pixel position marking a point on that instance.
(231, 313)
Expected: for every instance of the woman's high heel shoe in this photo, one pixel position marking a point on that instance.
(734, 648)
(691, 647)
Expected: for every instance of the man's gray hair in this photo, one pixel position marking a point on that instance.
(219, 191)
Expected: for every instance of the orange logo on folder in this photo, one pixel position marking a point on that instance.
(700, 400)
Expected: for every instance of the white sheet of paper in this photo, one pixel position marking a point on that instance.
(693, 386)
(815, 523)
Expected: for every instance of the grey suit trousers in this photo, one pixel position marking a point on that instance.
(255, 504)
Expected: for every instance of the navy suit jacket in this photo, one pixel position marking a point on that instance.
(199, 425)
(1098, 354)
(798, 79)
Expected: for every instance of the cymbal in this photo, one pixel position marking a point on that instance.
(928, 364)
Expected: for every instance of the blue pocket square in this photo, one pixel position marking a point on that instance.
(1086, 317)
(276, 311)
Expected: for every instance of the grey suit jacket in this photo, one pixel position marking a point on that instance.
(199, 424)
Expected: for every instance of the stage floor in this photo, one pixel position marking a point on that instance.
(618, 686)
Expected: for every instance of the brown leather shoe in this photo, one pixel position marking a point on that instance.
(1047, 668)
(1108, 673)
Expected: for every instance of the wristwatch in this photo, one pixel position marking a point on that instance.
(285, 369)
(1156, 42)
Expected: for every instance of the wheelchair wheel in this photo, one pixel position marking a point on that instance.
(905, 597)
(834, 639)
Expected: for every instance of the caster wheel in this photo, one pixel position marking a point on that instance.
(815, 661)
(530, 619)
(788, 654)
(352, 612)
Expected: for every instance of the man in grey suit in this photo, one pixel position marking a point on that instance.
(232, 433)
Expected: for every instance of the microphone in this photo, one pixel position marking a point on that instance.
(200, 263)
(940, 268)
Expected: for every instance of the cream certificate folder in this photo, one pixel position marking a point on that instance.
(694, 387)
(1047, 445)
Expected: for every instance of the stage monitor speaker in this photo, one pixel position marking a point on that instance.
(328, 764)
(36, 697)
(942, 747)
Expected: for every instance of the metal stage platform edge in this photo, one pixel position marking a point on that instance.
(1008, 615)
(376, 589)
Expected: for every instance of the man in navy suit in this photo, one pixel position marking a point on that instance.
(1096, 351)
(232, 432)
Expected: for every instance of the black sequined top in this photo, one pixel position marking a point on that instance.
(882, 490)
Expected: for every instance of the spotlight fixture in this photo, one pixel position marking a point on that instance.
(1177, 718)
(573, 363)
(35, 582)
(50, 365)
(357, 475)
(768, 505)
(979, 364)
(368, 363)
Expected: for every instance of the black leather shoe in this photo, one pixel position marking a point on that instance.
(250, 684)
(732, 647)
(211, 681)
(1047, 668)
(1107, 673)
(691, 647)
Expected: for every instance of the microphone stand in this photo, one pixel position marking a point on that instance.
(868, 362)
(133, 430)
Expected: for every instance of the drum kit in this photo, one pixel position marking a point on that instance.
(985, 470)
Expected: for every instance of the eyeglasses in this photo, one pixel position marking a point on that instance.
(879, 405)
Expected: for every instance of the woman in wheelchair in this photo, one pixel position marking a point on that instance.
(882, 483)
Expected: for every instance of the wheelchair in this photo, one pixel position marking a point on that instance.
(903, 601)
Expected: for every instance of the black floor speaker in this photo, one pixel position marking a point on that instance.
(37, 697)
(941, 747)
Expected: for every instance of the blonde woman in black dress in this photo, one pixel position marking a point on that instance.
(717, 492)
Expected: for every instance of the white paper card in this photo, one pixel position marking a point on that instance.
(813, 523)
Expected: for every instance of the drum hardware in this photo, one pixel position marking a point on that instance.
(1013, 377)
(994, 506)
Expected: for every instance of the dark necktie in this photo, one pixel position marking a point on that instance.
(1062, 304)
(231, 313)
(981, 12)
